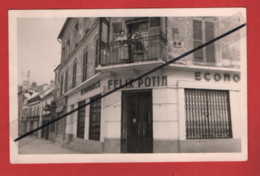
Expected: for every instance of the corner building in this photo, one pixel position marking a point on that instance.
(192, 105)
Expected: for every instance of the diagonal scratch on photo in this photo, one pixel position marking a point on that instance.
(192, 105)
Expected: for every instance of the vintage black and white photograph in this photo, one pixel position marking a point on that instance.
(193, 108)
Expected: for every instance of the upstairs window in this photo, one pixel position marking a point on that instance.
(66, 81)
(97, 61)
(62, 53)
(117, 27)
(74, 74)
(61, 85)
(76, 35)
(155, 22)
(85, 66)
(203, 31)
(68, 47)
(76, 27)
(104, 33)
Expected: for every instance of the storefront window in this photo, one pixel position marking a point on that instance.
(207, 114)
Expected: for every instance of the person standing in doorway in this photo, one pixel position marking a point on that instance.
(123, 47)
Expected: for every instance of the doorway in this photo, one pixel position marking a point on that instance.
(137, 122)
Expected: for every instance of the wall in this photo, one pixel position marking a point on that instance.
(165, 120)
(75, 52)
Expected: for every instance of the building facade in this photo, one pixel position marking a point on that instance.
(47, 113)
(36, 107)
(191, 105)
(33, 113)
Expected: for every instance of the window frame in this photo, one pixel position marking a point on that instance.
(199, 42)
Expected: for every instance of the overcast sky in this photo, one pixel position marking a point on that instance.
(38, 48)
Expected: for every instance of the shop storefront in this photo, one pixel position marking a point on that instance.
(60, 125)
(177, 109)
(32, 123)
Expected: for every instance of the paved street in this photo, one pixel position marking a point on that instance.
(34, 145)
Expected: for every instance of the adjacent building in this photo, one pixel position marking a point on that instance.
(192, 105)
(36, 106)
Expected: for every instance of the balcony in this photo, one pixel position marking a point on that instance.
(142, 49)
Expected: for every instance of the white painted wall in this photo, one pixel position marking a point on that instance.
(165, 116)
(111, 114)
(235, 108)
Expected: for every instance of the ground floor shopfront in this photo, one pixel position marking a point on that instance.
(32, 123)
(173, 110)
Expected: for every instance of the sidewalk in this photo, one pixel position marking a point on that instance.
(34, 145)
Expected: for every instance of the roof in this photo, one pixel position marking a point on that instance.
(35, 96)
(46, 92)
(63, 27)
(56, 68)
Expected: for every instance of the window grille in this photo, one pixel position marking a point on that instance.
(207, 114)
(81, 120)
(94, 124)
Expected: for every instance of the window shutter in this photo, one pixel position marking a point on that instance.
(209, 34)
(97, 61)
(104, 35)
(175, 33)
(66, 81)
(197, 30)
(197, 36)
(74, 77)
(85, 65)
(61, 85)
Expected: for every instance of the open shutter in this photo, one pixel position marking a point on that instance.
(197, 39)
(209, 34)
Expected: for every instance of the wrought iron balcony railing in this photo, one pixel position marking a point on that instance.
(133, 50)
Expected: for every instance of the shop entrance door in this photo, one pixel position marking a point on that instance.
(45, 130)
(137, 123)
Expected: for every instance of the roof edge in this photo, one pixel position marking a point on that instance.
(63, 27)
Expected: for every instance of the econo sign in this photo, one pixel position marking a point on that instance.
(226, 77)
